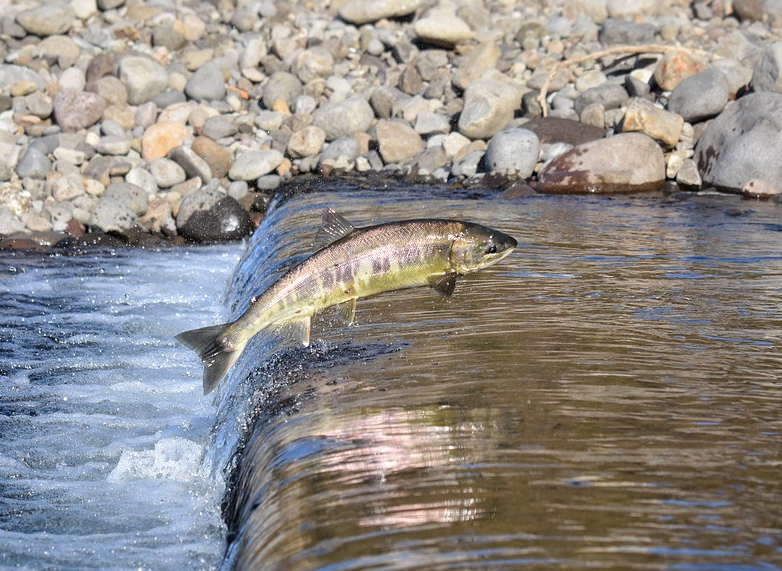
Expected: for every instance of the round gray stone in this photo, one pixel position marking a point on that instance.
(143, 78)
(129, 195)
(167, 173)
(33, 164)
(514, 151)
(700, 96)
(281, 85)
(344, 118)
(50, 19)
(207, 83)
(251, 165)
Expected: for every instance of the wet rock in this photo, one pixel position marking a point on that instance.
(206, 83)
(366, 11)
(161, 137)
(112, 215)
(306, 142)
(489, 105)
(743, 143)
(345, 117)
(251, 165)
(513, 152)
(397, 142)
(700, 96)
(661, 125)
(144, 78)
(47, 20)
(758, 188)
(209, 216)
(74, 110)
(622, 163)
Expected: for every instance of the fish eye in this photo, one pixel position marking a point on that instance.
(491, 248)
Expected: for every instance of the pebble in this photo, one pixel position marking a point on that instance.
(215, 155)
(143, 77)
(167, 173)
(161, 137)
(366, 11)
(344, 118)
(47, 20)
(397, 141)
(179, 98)
(306, 142)
(206, 83)
(251, 165)
(74, 110)
(489, 105)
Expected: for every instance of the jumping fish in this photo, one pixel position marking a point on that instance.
(352, 263)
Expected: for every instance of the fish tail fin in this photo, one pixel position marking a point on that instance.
(216, 350)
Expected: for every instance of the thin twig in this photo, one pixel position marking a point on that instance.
(618, 50)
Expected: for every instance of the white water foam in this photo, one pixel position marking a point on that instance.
(103, 427)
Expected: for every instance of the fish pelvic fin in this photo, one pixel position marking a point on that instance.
(443, 284)
(216, 352)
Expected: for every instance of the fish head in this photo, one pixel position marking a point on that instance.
(477, 247)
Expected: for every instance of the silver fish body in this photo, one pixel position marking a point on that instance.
(358, 262)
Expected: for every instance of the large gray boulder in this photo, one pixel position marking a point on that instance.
(743, 143)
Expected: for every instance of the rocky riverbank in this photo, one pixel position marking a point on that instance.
(179, 118)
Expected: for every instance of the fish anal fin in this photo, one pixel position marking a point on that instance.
(443, 284)
(296, 330)
(347, 311)
(335, 226)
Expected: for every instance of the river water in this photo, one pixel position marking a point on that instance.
(607, 397)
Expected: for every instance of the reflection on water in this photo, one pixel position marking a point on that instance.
(607, 397)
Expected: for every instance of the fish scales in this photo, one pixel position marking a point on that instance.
(360, 262)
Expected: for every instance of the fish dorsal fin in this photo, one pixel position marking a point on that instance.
(334, 227)
(443, 284)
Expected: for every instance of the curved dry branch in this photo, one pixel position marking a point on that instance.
(618, 50)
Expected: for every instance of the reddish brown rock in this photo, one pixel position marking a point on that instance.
(678, 65)
(626, 162)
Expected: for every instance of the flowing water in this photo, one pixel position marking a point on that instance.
(607, 397)
(102, 425)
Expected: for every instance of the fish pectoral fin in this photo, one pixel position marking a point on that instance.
(347, 311)
(443, 284)
(297, 330)
(334, 227)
